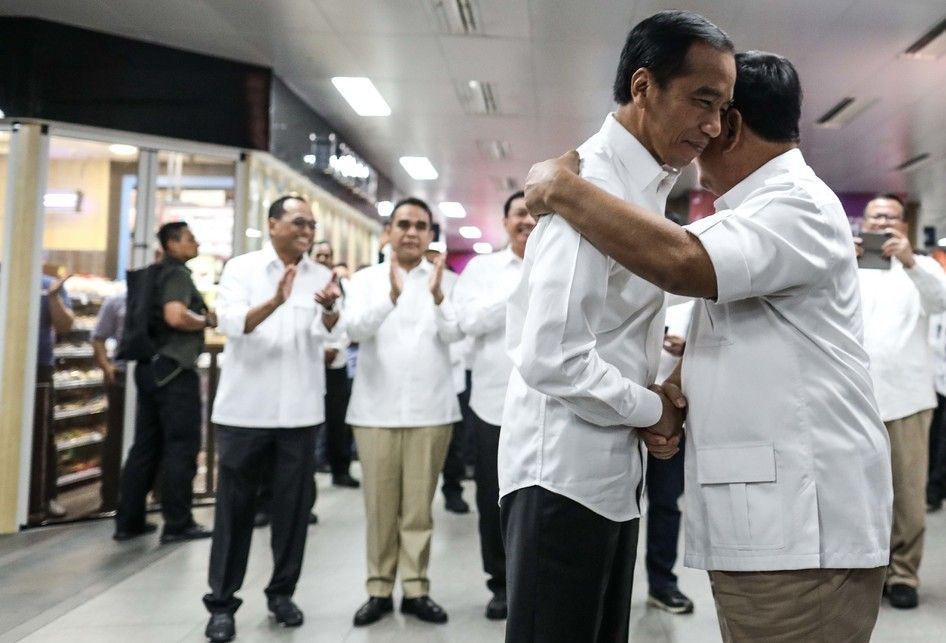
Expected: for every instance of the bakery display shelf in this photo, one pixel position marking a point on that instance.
(77, 384)
(92, 437)
(83, 411)
(78, 352)
(85, 475)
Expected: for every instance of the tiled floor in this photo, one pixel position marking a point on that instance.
(73, 584)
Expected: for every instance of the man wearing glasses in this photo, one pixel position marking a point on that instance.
(897, 306)
(403, 407)
(277, 308)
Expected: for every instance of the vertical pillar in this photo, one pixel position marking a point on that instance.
(19, 312)
(241, 206)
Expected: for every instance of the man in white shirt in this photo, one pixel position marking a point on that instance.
(480, 297)
(276, 307)
(402, 409)
(788, 484)
(897, 306)
(584, 337)
(936, 484)
(338, 436)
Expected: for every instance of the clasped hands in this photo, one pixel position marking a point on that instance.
(663, 438)
(435, 284)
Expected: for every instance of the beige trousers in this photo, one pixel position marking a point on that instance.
(810, 605)
(400, 467)
(909, 454)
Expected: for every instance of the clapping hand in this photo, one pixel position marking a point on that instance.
(284, 288)
(329, 294)
(397, 283)
(436, 280)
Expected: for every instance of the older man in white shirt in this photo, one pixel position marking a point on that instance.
(480, 297)
(898, 304)
(276, 307)
(788, 483)
(402, 409)
(584, 335)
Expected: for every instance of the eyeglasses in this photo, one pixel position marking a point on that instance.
(883, 217)
(420, 226)
(299, 222)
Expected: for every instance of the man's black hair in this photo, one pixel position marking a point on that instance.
(508, 204)
(661, 43)
(890, 196)
(411, 200)
(768, 95)
(170, 231)
(278, 208)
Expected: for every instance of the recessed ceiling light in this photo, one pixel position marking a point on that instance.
(438, 246)
(457, 16)
(452, 209)
(845, 111)
(930, 45)
(495, 150)
(470, 232)
(385, 208)
(482, 248)
(120, 149)
(362, 95)
(912, 162)
(253, 233)
(419, 167)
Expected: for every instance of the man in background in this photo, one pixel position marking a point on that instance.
(110, 324)
(898, 304)
(480, 298)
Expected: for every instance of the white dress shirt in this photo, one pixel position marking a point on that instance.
(897, 308)
(340, 340)
(938, 347)
(480, 297)
(404, 376)
(676, 322)
(584, 336)
(273, 376)
(787, 461)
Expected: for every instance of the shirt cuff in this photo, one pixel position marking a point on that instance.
(649, 409)
(733, 281)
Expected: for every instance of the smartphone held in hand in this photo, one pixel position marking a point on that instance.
(872, 258)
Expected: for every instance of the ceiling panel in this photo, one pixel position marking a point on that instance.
(492, 59)
(404, 17)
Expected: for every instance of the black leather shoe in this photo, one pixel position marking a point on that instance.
(261, 519)
(220, 628)
(457, 504)
(373, 610)
(424, 608)
(345, 480)
(127, 534)
(496, 609)
(194, 532)
(670, 600)
(313, 519)
(285, 611)
(902, 596)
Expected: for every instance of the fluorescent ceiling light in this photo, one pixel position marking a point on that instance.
(362, 95)
(253, 233)
(419, 167)
(438, 246)
(930, 45)
(911, 163)
(482, 248)
(845, 111)
(63, 200)
(452, 209)
(121, 149)
(470, 232)
(457, 16)
(385, 208)
(477, 97)
(494, 150)
(309, 159)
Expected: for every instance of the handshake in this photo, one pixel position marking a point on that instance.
(663, 438)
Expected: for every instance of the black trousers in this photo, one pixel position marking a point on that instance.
(664, 488)
(167, 434)
(338, 433)
(936, 485)
(570, 571)
(487, 503)
(245, 456)
(454, 467)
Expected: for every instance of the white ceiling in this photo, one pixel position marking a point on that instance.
(551, 63)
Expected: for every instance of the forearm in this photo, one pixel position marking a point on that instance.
(645, 243)
(329, 319)
(100, 354)
(258, 314)
(931, 287)
(62, 318)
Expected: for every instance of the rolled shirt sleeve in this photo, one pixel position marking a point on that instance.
(233, 301)
(106, 324)
(768, 245)
(567, 289)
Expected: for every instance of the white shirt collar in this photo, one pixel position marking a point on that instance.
(789, 161)
(635, 157)
(272, 259)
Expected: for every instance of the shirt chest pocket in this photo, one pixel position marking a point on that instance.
(742, 496)
(711, 325)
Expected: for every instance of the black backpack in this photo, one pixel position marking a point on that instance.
(144, 323)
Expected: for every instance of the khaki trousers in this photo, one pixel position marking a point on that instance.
(400, 467)
(810, 605)
(909, 453)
